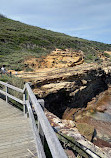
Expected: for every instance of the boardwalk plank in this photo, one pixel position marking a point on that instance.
(16, 135)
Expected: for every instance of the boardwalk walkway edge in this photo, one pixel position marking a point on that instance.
(29, 100)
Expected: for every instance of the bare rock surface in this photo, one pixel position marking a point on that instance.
(69, 128)
(58, 59)
(71, 89)
(50, 80)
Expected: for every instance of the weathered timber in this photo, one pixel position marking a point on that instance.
(41, 102)
(79, 148)
(39, 145)
(43, 125)
(16, 135)
(6, 94)
(52, 140)
(12, 97)
(12, 87)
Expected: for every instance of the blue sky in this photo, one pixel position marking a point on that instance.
(88, 19)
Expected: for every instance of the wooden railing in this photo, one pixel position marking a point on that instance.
(30, 104)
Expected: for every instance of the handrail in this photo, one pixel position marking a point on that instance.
(38, 142)
(12, 87)
(12, 97)
(52, 140)
(54, 145)
(9, 95)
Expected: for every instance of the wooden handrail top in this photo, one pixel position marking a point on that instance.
(38, 142)
(12, 87)
(54, 145)
(12, 97)
(52, 140)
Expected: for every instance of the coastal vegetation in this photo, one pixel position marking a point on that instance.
(19, 41)
(15, 81)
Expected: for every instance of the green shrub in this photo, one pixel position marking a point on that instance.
(90, 57)
(28, 69)
(107, 55)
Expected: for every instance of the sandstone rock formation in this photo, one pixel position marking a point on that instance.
(71, 87)
(57, 59)
(68, 128)
(71, 93)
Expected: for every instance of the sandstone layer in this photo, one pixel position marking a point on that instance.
(73, 92)
(57, 59)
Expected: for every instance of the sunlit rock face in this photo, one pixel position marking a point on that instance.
(57, 59)
(71, 88)
(74, 93)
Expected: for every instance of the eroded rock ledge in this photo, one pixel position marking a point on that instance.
(67, 88)
(73, 140)
(68, 91)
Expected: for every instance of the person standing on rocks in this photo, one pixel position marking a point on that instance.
(2, 70)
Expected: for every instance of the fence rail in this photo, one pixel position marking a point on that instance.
(29, 101)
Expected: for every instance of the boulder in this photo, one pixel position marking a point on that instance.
(85, 130)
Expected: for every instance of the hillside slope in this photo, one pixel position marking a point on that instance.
(19, 41)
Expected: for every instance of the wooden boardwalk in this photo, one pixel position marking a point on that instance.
(16, 135)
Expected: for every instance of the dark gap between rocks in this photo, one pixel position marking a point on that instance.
(58, 102)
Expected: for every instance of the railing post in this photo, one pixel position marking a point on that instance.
(28, 98)
(6, 88)
(24, 103)
(41, 102)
